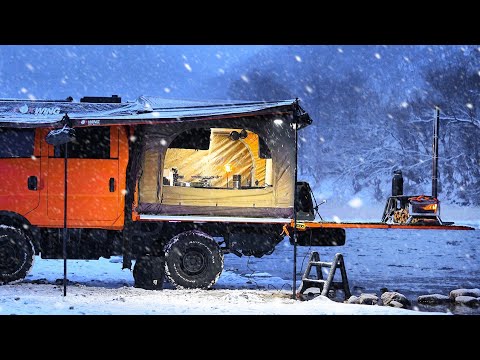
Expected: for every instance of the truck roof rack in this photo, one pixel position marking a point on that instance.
(114, 99)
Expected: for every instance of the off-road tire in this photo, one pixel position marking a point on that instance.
(193, 260)
(17, 254)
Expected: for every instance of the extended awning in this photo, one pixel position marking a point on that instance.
(145, 110)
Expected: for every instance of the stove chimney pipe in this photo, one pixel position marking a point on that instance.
(436, 125)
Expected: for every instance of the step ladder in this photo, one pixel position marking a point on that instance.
(325, 285)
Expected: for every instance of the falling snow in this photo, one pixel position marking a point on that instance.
(369, 116)
(355, 203)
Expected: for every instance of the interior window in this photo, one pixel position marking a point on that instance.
(90, 143)
(16, 143)
(197, 139)
(233, 159)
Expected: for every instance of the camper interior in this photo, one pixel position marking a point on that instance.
(217, 170)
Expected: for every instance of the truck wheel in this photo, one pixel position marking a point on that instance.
(193, 260)
(16, 254)
(149, 272)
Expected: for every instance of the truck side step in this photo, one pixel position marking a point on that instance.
(319, 282)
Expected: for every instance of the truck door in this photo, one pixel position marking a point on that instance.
(93, 175)
(19, 170)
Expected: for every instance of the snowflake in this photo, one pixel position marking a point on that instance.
(309, 89)
(340, 50)
(355, 203)
(377, 55)
(167, 90)
(469, 105)
(298, 58)
(188, 67)
(404, 104)
(23, 90)
(29, 66)
(245, 78)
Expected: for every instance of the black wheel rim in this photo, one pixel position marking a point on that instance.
(194, 261)
(12, 257)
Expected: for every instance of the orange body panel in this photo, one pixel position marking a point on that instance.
(89, 197)
(90, 202)
(14, 193)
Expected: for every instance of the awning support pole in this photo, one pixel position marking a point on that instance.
(65, 229)
(295, 124)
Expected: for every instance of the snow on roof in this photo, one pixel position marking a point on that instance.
(146, 109)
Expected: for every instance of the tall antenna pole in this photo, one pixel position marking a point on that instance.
(436, 126)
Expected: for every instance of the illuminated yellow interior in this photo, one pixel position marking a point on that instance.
(218, 164)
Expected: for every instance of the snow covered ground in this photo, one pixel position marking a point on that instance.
(411, 262)
(84, 299)
(100, 287)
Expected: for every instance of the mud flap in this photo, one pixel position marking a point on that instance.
(149, 272)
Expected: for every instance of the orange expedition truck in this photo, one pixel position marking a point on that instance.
(172, 184)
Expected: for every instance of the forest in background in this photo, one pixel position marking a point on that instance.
(373, 110)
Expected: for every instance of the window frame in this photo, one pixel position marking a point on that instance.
(112, 145)
(33, 139)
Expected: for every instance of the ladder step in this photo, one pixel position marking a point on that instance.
(314, 281)
(321, 263)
